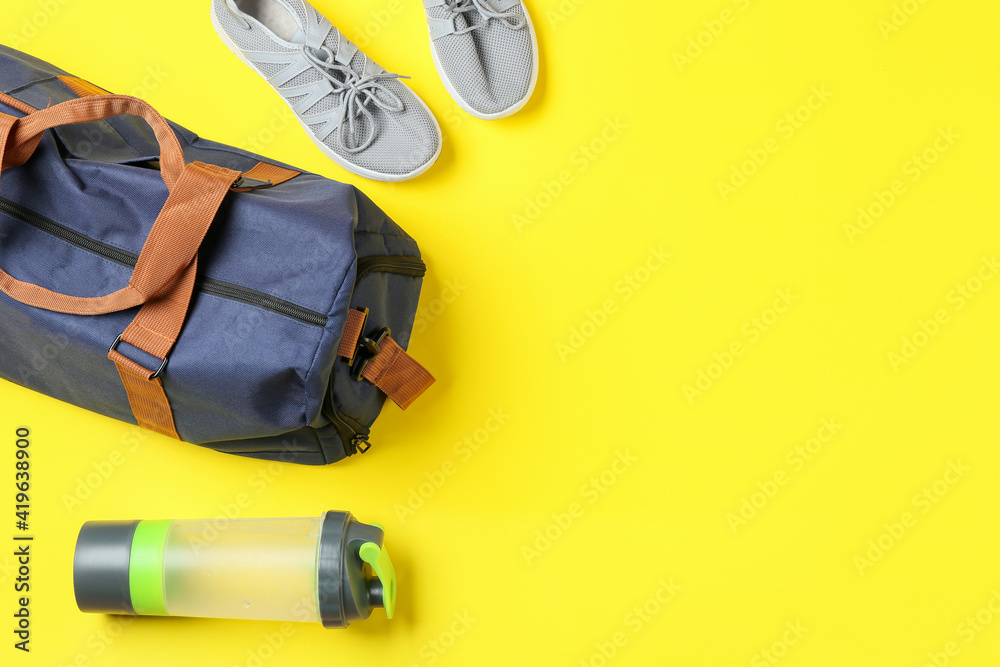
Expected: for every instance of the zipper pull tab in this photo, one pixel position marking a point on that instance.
(360, 443)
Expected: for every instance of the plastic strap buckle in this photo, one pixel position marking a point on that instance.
(367, 350)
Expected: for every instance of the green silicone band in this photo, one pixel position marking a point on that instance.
(145, 568)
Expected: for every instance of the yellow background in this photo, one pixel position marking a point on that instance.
(674, 129)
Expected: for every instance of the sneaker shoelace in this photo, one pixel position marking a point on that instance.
(357, 92)
(508, 18)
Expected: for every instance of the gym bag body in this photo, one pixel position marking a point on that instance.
(193, 288)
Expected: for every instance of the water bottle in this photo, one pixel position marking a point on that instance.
(332, 569)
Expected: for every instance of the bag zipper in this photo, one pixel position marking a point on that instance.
(352, 434)
(219, 288)
(400, 265)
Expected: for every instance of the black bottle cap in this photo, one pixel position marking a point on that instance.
(346, 589)
(100, 567)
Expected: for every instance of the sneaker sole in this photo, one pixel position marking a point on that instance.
(506, 112)
(341, 162)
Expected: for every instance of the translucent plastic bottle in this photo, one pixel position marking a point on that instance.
(331, 569)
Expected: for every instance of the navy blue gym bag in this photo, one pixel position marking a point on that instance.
(192, 288)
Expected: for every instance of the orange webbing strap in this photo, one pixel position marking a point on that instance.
(16, 103)
(180, 227)
(174, 240)
(392, 370)
(7, 124)
(154, 330)
(398, 374)
(147, 399)
(352, 334)
(198, 195)
(271, 174)
(82, 88)
(172, 243)
(28, 132)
